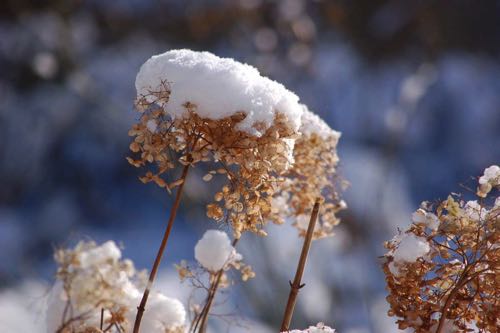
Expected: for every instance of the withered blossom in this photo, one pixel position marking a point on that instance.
(453, 285)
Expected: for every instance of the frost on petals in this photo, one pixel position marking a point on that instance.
(319, 328)
(214, 251)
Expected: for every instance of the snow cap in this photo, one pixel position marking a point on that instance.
(219, 87)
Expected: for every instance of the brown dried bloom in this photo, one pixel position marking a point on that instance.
(312, 175)
(443, 272)
(252, 165)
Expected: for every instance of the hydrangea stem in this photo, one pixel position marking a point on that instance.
(173, 212)
(203, 316)
(296, 285)
(451, 297)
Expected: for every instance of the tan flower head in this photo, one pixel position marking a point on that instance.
(443, 272)
(313, 175)
(222, 113)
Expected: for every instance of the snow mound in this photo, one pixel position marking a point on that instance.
(162, 314)
(214, 250)
(219, 87)
(319, 328)
(312, 123)
(411, 248)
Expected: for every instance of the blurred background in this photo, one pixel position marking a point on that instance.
(414, 86)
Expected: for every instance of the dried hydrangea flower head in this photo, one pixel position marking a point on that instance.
(94, 282)
(196, 107)
(443, 272)
(312, 175)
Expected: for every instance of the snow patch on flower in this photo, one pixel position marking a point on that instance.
(426, 218)
(411, 248)
(214, 251)
(489, 180)
(490, 174)
(94, 277)
(162, 314)
(474, 210)
(219, 87)
(105, 253)
(312, 123)
(319, 328)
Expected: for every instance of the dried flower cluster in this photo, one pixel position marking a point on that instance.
(251, 165)
(276, 156)
(312, 175)
(216, 256)
(443, 272)
(97, 291)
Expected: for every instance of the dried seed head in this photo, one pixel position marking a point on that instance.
(312, 175)
(253, 166)
(449, 268)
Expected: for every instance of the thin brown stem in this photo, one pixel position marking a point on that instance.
(142, 306)
(297, 285)
(460, 284)
(102, 319)
(211, 296)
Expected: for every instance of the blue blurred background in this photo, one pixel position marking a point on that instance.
(414, 86)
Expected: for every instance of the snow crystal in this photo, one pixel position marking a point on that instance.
(219, 87)
(411, 248)
(312, 123)
(214, 250)
(162, 314)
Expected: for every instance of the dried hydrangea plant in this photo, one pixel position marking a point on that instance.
(222, 113)
(443, 272)
(247, 137)
(216, 255)
(198, 108)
